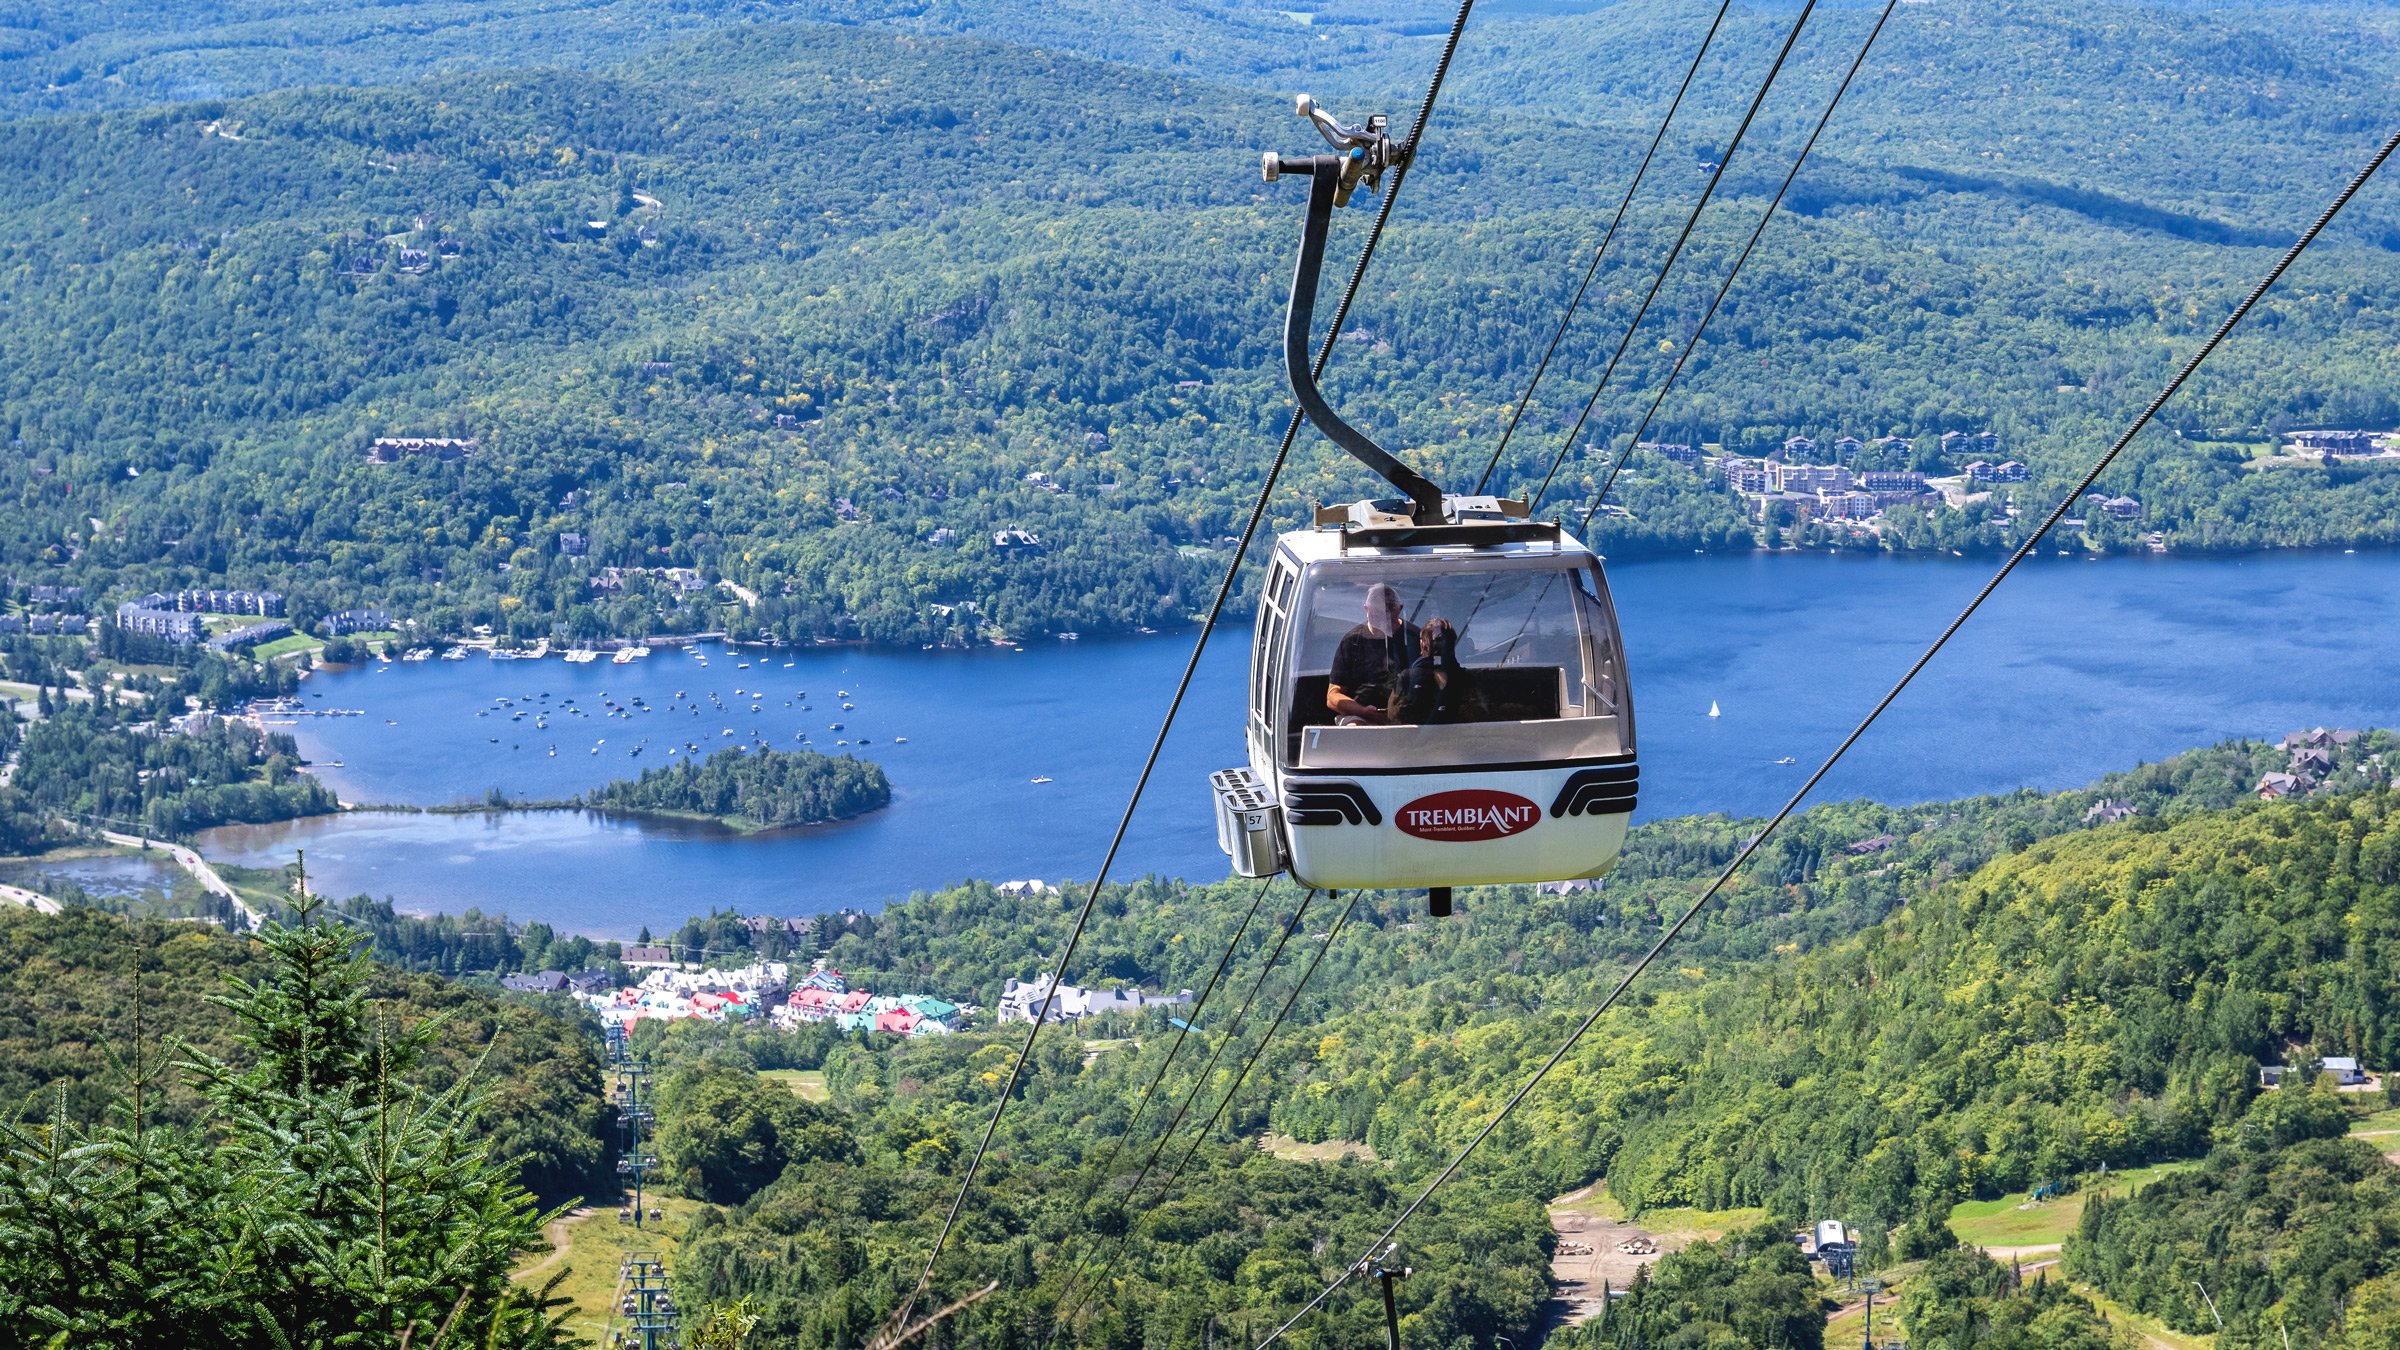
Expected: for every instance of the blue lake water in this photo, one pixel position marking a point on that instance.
(2074, 669)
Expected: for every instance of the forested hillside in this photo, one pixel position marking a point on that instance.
(339, 1179)
(2087, 996)
(82, 992)
(2321, 1217)
(1990, 995)
(808, 308)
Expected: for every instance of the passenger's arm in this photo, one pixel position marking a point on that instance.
(1341, 704)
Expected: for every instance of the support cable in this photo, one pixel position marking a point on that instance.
(1200, 1137)
(1692, 343)
(1707, 193)
(2021, 552)
(1216, 609)
(1200, 1005)
(1576, 301)
(1263, 1042)
(1117, 1144)
(1233, 1032)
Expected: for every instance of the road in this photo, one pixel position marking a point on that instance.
(196, 865)
(38, 903)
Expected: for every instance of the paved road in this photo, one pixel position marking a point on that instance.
(18, 895)
(196, 865)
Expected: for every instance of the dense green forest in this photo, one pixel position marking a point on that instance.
(2279, 1234)
(94, 745)
(88, 762)
(2038, 997)
(763, 789)
(82, 988)
(471, 943)
(679, 322)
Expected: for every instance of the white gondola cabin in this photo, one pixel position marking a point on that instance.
(1437, 690)
(1432, 706)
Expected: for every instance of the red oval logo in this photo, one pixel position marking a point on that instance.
(1468, 815)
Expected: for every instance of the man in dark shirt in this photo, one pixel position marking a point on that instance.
(1370, 657)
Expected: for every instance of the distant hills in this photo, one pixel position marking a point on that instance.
(808, 307)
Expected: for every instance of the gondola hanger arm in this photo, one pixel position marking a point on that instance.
(1361, 154)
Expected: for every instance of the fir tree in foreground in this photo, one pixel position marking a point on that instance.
(323, 1200)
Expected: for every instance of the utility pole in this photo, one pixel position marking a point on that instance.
(632, 1117)
(1386, 1268)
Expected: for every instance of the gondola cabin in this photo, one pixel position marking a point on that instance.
(1437, 690)
(1432, 706)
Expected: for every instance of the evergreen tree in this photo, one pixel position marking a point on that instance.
(324, 1200)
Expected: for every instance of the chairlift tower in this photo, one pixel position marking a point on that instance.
(634, 1117)
(647, 1305)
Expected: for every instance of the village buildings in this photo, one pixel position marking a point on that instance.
(2331, 446)
(1809, 491)
(349, 621)
(176, 616)
(1044, 996)
(761, 991)
(46, 625)
(2315, 757)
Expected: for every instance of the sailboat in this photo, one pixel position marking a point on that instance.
(1712, 709)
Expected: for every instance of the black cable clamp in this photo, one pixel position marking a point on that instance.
(1365, 151)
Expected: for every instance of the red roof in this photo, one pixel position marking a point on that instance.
(856, 1000)
(902, 1020)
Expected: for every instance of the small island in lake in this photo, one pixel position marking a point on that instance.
(754, 789)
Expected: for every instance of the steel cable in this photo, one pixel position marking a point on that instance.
(1575, 302)
(1233, 1029)
(1199, 1137)
(2057, 513)
(1724, 162)
(1692, 343)
(1216, 609)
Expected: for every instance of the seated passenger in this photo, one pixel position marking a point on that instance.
(1436, 689)
(1369, 660)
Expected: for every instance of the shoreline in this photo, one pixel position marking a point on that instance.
(730, 824)
(1239, 612)
(2117, 780)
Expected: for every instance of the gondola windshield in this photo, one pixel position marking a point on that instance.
(1391, 655)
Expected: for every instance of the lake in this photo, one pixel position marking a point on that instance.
(2076, 668)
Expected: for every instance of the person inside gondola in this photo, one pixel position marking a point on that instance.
(1367, 664)
(1435, 689)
